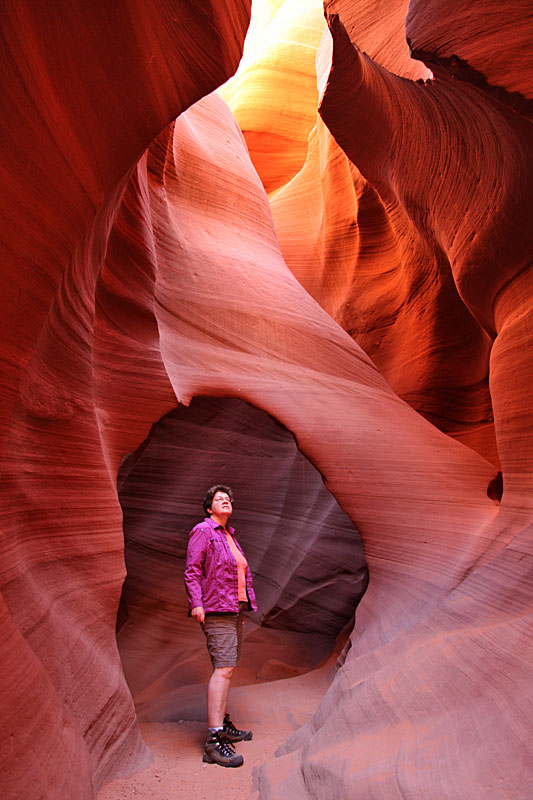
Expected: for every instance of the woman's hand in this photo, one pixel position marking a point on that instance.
(198, 613)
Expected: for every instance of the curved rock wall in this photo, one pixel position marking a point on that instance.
(273, 95)
(463, 189)
(85, 88)
(134, 283)
(305, 555)
(351, 241)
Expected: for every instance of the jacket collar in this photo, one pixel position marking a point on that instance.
(216, 526)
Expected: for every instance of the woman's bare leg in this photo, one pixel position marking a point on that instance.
(217, 695)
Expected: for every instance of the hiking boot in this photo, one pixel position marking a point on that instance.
(234, 734)
(218, 750)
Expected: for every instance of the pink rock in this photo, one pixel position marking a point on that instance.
(84, 91)
(135, 283)
(305, 554)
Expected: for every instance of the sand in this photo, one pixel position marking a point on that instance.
(273, 710)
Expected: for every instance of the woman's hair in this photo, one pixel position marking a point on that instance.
(208, 499)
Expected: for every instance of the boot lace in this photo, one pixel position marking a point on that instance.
(225, 747)
(230, 727)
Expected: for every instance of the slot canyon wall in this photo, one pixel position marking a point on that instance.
(351, 264)
(305, 554)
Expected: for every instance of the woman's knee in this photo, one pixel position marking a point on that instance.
(225, 672)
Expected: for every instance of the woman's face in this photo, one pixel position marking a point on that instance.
(221, 504)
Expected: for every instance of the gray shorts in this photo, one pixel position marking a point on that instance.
(223, 632)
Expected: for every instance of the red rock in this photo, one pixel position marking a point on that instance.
(136, 283)
(274, 670)
(418, 497)
(85, 89)
(426, 693)
(305, 555)
(487, 42)
(381, 275)
(273, 95)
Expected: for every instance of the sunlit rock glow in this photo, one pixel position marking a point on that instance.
(376, 303)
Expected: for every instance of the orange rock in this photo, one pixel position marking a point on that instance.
(85, 89)
(136, 282)
(274, 94)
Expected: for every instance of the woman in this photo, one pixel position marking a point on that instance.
(219, 590)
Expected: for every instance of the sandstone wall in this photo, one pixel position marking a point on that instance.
(145, 266)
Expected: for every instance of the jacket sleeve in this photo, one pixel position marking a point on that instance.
(194, 567)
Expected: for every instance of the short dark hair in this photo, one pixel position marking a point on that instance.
(208, 499)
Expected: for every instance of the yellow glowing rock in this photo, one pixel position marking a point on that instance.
(274, 94)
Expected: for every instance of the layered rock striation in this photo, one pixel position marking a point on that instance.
(139, 279)
(85, 89)
(457, 194)
(305, 555)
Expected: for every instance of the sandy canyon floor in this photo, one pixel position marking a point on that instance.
(274, 711)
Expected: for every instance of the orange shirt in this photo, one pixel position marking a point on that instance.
(242, 566)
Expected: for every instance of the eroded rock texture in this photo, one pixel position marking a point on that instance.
(305, 555)
(134, 283)
(366, 261)
(452, 198)
(274, 94)
(85, 88)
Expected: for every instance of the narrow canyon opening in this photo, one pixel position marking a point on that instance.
(305, 554)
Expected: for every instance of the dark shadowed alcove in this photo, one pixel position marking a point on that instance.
(304, 552)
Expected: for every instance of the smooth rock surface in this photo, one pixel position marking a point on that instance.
(305, 554)
(347, 235)
(462, 189)
(84, 90)
(138, 279)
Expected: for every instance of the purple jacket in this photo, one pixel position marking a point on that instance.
(211, 570)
